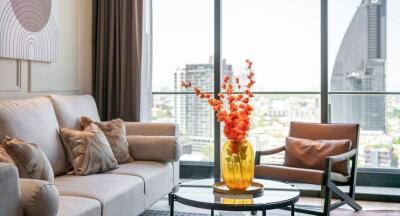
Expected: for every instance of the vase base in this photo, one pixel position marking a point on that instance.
(255, 189)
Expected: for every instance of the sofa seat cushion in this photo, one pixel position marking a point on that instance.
(70, 108)
(34, 121)
(158, 178)
(285, 173)
(118, 194)
(78, 206)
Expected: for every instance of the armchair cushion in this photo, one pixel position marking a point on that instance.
(285, 173)
(39, 197)
(311, 154)
(154, 148)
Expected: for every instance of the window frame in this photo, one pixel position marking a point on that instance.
(368, 176)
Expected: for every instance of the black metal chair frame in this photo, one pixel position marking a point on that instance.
(329, 187)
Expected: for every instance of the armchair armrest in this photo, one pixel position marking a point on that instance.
(273, 150)
(151, 129)
(10, 203)
(268, 152)
(154, 148)
(343, 156)
(329, 161)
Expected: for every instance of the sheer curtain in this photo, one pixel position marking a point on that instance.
(146, 98)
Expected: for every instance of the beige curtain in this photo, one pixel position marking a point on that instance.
(117, 47)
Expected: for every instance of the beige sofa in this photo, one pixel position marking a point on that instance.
(128, 190)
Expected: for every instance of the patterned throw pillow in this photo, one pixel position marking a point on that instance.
(88, 150)
(115, 132)
(30, 159)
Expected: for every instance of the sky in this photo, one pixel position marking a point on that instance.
(282, 37)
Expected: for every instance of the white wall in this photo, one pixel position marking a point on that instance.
(71, 74)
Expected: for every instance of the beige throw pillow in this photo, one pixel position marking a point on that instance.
(30, 159)
(115, 132)
(88, 150)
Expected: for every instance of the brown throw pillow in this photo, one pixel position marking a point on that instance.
(311, 154)
(30, 159)
(4, 156)
(115, 132)
(88, 150)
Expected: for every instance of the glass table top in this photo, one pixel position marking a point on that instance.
(201, 191)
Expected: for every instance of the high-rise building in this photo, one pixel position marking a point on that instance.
(194, 116)
(360, 66)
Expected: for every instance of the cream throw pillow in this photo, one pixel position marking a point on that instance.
(30, 159)
(88, 150)
(115, 132)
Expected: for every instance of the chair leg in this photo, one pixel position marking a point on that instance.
(327, 200)
(345, 197)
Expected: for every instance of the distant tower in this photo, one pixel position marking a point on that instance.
(360, 66)
(195, 116)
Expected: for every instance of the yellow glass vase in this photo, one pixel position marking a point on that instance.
(237, 161)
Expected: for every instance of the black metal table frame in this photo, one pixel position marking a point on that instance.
(226, 207)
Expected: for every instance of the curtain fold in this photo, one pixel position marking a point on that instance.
(117, 57)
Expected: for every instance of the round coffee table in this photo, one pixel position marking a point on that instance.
(199, 194)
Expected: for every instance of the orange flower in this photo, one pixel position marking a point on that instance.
(235, 114)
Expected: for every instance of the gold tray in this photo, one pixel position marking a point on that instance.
(255, 189)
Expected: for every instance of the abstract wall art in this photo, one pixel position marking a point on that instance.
(29, 30)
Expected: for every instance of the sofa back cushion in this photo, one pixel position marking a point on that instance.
(34, 120)
(70, 108)
(311, 154)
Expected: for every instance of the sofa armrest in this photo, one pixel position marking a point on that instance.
(10, 203)
(39, 197)
(154, 148)
(151, 129)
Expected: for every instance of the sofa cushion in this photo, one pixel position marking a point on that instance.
(118, 194)
(32, 163)
(88, 150)
(38, 197)
(115, 132)
(311, 154)
(158, 178)
(4, 156)
(78, 206)
(70, 108)
(34, 120)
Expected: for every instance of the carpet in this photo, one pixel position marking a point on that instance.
(338, 212)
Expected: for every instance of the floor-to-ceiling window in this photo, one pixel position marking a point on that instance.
(183, 50)
(285, 40)
(282, 38)
(364, 75)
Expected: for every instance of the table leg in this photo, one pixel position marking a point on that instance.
(171, 201)
(264, 212)
(292, 210)
(212, 212)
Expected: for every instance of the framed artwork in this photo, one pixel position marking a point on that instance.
(29, 30)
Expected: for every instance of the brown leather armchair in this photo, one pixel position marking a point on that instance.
(324, 177)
